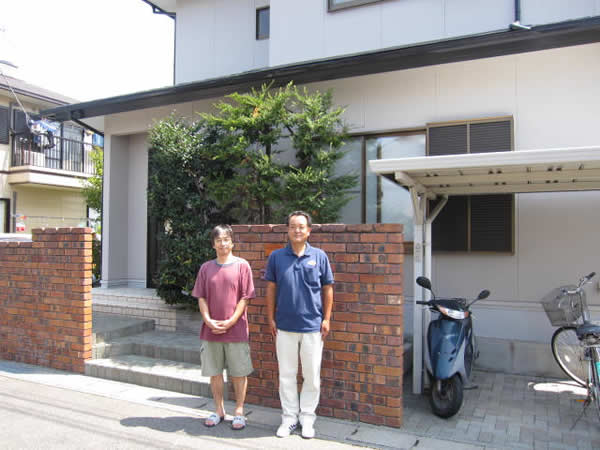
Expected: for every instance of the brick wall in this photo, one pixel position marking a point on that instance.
(362, 361)
(46, 299)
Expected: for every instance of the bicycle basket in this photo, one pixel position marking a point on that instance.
(563, 309)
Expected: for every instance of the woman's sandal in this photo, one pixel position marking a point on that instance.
(238, 423)
(213, 420)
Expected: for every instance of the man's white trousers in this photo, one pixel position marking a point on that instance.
(311, 351)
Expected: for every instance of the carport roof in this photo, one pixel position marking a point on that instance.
(548, 170)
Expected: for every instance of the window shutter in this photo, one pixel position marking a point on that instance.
(19, 122)
(481, 222)
(491, 222)
(490, 137)
(447, 140)
(4, 125)
(449, 230)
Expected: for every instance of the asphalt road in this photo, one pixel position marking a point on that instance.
(35, 416)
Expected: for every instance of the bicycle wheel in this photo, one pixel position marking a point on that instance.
(569, 354)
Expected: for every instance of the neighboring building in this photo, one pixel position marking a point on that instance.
(41, 174)
(418, 77)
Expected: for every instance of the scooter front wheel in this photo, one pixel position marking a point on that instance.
(446, 396)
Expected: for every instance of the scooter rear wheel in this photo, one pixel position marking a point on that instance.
(446, 396)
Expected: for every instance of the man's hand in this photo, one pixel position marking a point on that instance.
(324, 328)
(216, 326)
(273, 328)
(225, 324)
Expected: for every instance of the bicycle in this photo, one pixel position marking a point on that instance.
(576, 343)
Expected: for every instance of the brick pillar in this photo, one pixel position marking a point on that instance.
(46, 299)
(362, 361)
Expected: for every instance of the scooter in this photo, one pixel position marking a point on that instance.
(450, 351)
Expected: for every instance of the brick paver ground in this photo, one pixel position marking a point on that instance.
(511, 412)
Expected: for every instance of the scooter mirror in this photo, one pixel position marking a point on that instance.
(424, 283)
(483, 294)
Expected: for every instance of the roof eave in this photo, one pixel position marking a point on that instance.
(486, 45)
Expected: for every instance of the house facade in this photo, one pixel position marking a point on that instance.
(416, 78)
(40, 174)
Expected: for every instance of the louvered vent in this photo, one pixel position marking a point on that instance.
(447, 140)
(490, 137)
(473, 223)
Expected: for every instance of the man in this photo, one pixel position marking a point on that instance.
(223, 288)
(299, 302)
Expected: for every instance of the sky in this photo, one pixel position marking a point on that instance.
(87, 49)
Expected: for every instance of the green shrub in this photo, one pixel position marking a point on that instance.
(222, 168)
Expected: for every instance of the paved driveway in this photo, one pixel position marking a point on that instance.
(510, 411)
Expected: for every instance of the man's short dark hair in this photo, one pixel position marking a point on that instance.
(218, 230)
(300, 213)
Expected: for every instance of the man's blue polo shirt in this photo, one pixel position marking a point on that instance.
(299, 281)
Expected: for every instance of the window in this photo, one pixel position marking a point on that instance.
(335, 5)
(352, 163)
(385, 200)
(4, 125)
(377, 199)
(262, 23)
(478, 222)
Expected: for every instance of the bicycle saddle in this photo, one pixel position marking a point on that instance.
(586, 329)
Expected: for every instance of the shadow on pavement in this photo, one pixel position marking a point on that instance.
(195, 427)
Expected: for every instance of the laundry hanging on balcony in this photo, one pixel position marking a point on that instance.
(43, 132)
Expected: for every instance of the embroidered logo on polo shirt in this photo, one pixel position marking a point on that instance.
(312, 262)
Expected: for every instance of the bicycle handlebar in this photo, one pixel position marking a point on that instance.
(585, 280)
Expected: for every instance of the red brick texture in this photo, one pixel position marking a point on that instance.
(361, 376)
(46, 299)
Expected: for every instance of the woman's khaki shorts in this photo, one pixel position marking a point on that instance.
(218, 356)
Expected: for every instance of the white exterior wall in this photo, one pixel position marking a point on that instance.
(555, 101)
(137, 209)
(115, 223)
(554, 98)
(394, 23)
(216, 38)
(375, 26)
(125, 219)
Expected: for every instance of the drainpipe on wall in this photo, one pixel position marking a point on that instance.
(159, 10)
(517, 25)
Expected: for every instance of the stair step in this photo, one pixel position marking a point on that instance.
(151, 372)
(181, 347)
(107, 327)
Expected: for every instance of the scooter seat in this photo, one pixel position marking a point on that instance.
(587, 329)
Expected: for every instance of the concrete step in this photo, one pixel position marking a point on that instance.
(107, 327)
(151, 372)
(180, 347)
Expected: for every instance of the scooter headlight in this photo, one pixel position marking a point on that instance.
(453, 313)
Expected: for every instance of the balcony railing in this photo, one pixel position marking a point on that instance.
(52, 153)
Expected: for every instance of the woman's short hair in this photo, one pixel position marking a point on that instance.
(218, 230)
(300, 213)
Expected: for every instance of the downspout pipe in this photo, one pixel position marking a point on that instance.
(517, 25)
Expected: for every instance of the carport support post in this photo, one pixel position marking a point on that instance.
(422, 266)
(419, 207)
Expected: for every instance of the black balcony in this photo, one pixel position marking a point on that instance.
(52, 153)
